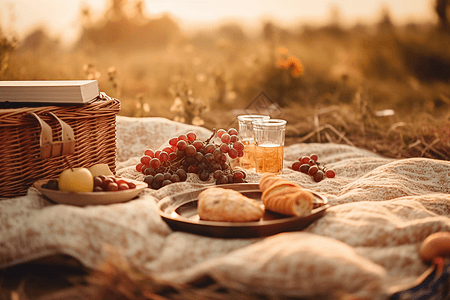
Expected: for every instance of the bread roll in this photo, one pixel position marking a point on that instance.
(226, 205)
(285, 197)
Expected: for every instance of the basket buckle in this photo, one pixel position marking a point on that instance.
(54, 149)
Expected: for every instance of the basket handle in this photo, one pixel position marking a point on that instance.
(60, 148)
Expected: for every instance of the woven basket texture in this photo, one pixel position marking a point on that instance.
(94, 126)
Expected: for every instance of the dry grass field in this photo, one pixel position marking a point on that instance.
(383, 87)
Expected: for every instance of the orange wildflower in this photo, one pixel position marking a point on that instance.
(282, 50)
(291, 62)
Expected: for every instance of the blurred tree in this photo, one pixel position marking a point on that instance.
(233, 32)
(123, 29)
(442, 8)
(39, 40)
(385, 24)
(7, 46)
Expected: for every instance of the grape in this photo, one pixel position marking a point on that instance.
(182, 137)
(197, 144)
(233, 153)
(305, 159)
(149, 171)
(220, 132)
(166, 182)
(199, 157)
(163, 156)
(225, 138)
(190, 151)
(210, 148)
(123, 186)
(159, 178)
(313, 170)
(175, 178)
(190, 160)
(318, 176)
(238, 146)
(217, 174)
(180, 153)
(239, 174)
(112, 186)
(230, 178)
(157, 153)
(192, 169)
(232, 131)
(145, 159)
(314, 157)
(304, 168)
(202, 166)
(240, 153)
(216, 166)
(203, 175)
(149, 152)
(167, 176)
(222, 180)
(173, 141)
(217, 154)
(52, 184)
(182, 144)
(296, 166)
(156, 185)
(139, 166)
(148, 179)
(191, 136)
(208, 158)
(155, 163)
(172, 155)
(224, 148)
(168, 150)
(234, 138)
(182, 174)
(330, 174)
(311, 162)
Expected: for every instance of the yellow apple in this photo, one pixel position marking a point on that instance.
(100, 169)
(76, 180)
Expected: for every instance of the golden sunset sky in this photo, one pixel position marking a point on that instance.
(60, 17)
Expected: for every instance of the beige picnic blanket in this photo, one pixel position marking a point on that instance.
(367, 241)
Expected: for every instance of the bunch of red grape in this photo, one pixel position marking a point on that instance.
(309, 165)
(187, 154)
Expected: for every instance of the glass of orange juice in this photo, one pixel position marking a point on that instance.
(247, 138)
(269, 145)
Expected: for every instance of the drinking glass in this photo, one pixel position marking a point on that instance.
(246, 136)
(269, 145)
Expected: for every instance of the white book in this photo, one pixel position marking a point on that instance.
(49, 91)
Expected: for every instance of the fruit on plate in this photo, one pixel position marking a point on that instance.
(108, 183)
(76, 180)
(100, 169)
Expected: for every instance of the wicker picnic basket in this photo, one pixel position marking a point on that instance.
(36, 141)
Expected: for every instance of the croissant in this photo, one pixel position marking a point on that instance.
(285, 197)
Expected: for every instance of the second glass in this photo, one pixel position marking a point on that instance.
(269, 141)
(248, 161)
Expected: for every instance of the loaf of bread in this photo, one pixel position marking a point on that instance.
(226, 205)
(284, 196)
